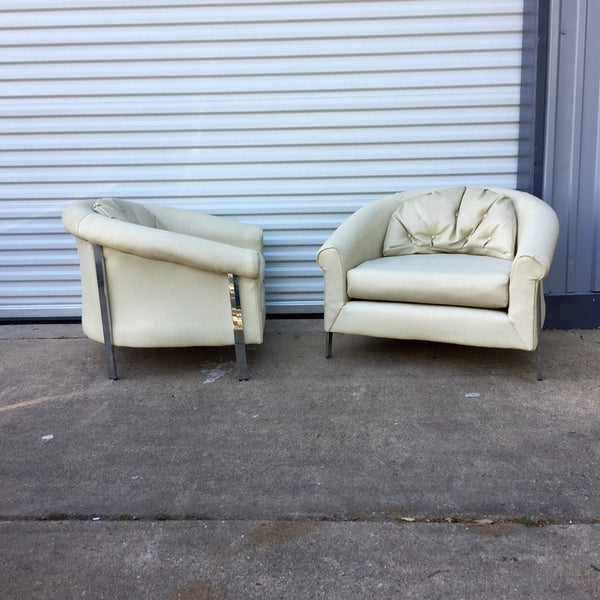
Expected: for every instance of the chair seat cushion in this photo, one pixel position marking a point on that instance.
(449, 279)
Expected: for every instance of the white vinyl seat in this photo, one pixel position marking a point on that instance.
(452, 279)
(459, 264)
(157, 276)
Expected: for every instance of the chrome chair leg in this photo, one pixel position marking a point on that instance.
(238, 327)
(105, 313)
(328, 344)
(540, 299)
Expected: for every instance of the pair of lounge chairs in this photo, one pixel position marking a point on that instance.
(460, 265)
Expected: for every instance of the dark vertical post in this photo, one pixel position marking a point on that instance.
(532, 122)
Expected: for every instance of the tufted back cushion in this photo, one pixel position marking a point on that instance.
(131, 212)
(468, 220)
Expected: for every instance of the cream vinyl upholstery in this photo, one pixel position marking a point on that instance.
(461, 265)
(167, 274)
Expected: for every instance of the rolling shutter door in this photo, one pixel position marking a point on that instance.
(286, 114)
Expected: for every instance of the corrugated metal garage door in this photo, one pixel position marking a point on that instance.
(288, 114)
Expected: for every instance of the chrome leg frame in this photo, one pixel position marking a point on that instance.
(238, 327)
(328, 343)
(105, 313)
(540, 300)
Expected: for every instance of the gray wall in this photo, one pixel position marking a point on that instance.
(572, 152)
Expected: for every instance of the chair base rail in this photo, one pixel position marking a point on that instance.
(105, 313)
(238, 326)
(538, 350)
(236, 316)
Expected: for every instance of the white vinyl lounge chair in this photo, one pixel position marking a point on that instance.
(461, 265)
(155, 276)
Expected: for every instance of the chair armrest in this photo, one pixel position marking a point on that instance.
(210, 227)
(358, 239)
(536, 239)
(537, 234)
(360, 236)
(169, 246)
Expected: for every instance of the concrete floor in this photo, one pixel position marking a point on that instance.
(393, 470)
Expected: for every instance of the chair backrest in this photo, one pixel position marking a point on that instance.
(469, 220)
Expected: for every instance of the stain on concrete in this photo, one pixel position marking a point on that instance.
(213, 374)
(585, 576)
(396, 514)
(202, 589)
(278, 532)
(351, 515)
(495, 530)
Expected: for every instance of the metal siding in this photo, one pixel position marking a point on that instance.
(589, 270)
(572, 181)
(287, 114)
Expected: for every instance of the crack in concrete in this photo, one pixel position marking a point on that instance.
(529, 522)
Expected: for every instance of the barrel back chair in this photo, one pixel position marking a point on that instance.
(460, 264)
(158, 276)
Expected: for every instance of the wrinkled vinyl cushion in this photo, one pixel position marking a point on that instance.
(468, 220)
(131, 212)
(450, 279)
